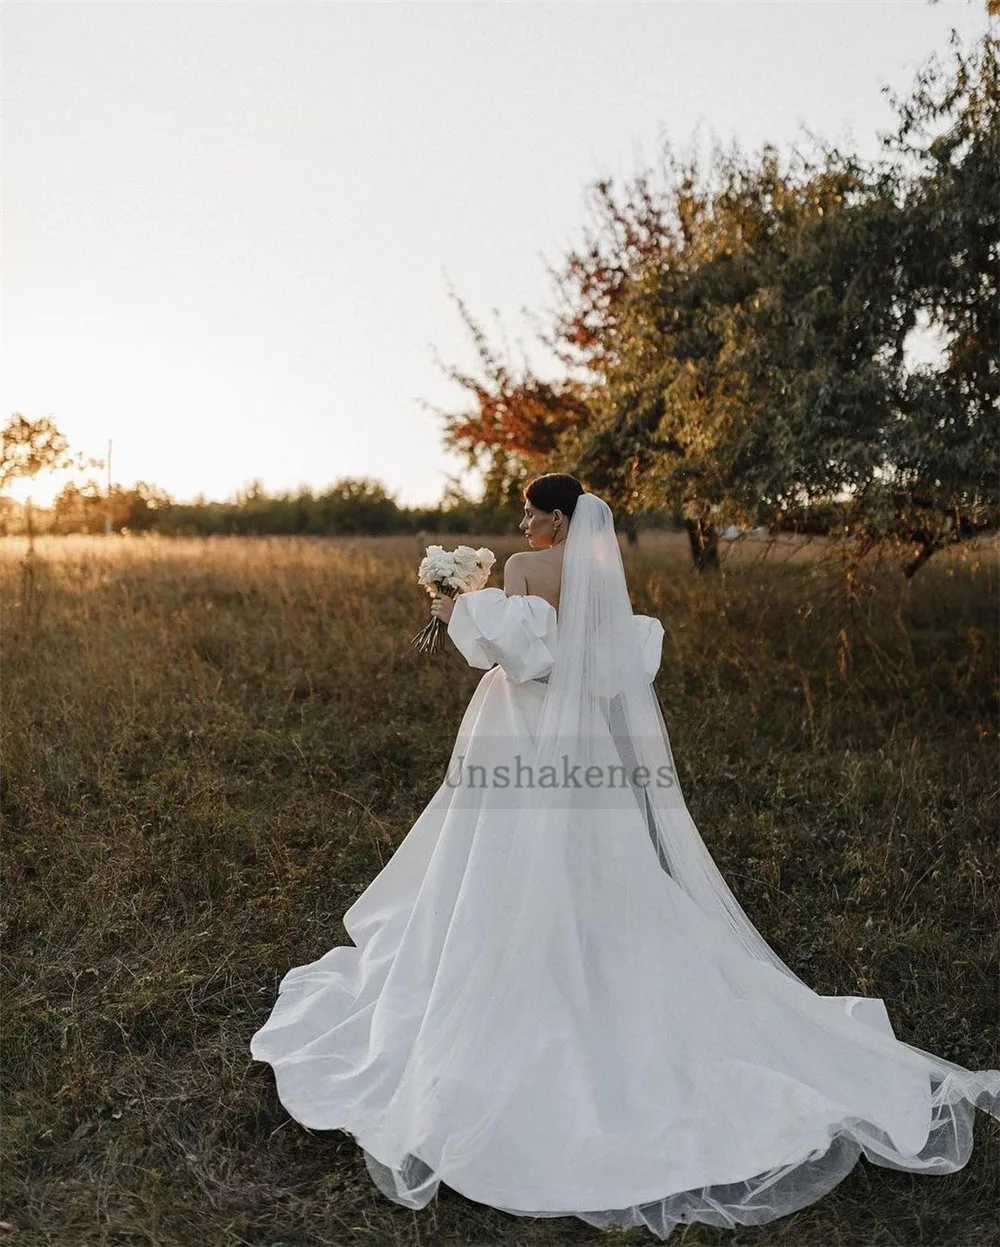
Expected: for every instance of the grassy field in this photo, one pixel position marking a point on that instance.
(212, 746)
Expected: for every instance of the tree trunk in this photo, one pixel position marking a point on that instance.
(927, 550)
(704, 541)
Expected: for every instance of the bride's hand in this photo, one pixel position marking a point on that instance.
(442, 606)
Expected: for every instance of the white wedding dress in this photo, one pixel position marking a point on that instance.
(545, 1015)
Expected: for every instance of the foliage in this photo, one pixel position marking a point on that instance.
(351, 506)
(736, 336)
(28, 447)
(943, 447)
(518, 421)
(85, 508)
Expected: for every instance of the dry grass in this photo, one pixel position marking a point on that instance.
(211, 746)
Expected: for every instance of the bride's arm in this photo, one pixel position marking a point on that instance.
(492, 626)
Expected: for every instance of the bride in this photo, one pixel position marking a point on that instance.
(553, 1002)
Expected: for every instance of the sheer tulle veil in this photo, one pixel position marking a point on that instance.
(599, 697)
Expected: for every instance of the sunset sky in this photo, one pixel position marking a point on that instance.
(229, 229)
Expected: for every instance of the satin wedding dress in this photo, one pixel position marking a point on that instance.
(552, 1001)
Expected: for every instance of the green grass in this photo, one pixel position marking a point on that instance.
(212, 746)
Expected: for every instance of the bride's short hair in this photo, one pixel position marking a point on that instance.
(552, 490)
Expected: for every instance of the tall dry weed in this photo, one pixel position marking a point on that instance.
(211, 746)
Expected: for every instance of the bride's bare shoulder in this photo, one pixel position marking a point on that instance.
(515, 578)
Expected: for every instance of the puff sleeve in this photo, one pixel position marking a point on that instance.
(649, 634)
(517, 632)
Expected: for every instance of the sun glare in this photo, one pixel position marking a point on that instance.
(41, 489)
(147, 394)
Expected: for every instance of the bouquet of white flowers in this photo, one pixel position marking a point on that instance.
(451, 572)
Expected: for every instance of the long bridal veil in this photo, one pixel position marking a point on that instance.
(597, 688)
(611, 957)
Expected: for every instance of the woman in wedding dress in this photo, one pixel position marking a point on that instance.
(553, 1002)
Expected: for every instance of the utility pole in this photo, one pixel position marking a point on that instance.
(107, 514)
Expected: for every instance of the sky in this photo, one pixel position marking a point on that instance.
(231, 231)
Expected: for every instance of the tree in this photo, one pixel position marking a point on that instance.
(735, 338)
(943, 448)
(357, 505)
(83, 508)
(809, 370)
(28, 447)
(517, 421)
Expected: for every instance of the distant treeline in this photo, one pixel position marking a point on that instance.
(350, 507)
